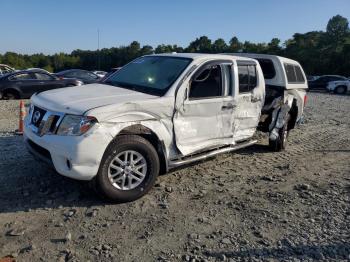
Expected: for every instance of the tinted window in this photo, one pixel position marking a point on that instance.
(247, 78)
(336, 78)
(83, 75)
(299, 74)
(227, 71)
(294, 74)
(207, 84)
(150, 74)
(291, 77)
(268, 68)
(70, 74)
(24, 76)
(41, 76)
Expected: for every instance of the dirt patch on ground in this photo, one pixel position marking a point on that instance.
(251, 205)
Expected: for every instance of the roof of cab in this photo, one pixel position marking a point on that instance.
(267, 56)
(201, 56)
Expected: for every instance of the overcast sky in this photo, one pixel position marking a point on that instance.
(33, 26)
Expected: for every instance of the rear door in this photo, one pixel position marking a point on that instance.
(249, 100)
(204, 119)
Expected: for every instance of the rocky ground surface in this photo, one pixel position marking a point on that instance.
(251, 205)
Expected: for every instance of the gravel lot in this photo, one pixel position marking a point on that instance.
(251, 205)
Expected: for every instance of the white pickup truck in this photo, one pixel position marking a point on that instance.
(160, 112)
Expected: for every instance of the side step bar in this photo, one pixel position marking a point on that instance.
(203, 156)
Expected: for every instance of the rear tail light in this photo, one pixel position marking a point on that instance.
(305, 100)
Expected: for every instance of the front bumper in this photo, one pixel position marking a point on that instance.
(77, 157)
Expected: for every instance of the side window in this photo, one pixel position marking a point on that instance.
(268, 68)
(40, 76)
(92, 76)
(300, 76)
(294, 74)
(208, 83)
(247, 78)
(20, 77)
(291, 77)
(227, 78)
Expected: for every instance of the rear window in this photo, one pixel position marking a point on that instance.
(294, 74)
(267, 67)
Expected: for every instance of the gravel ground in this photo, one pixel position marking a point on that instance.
(251, 205)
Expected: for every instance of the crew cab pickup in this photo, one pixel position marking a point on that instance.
(160, 112)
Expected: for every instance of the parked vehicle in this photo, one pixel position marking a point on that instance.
(23, 84)
(38, 69)
(311, 78)
(100, 73)
(84, 76)
(321, 82)
(339, 87)
(160, 112)
(5, 69)
(113, 70)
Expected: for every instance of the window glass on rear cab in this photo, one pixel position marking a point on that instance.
(247, 78)
(294, 74)
(267, 67)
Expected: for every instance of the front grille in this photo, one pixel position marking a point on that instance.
(44, 122)
(37, 116)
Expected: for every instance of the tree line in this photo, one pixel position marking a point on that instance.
(319, 52)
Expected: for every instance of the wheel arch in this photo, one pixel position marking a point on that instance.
(152, 135)
(12, 90)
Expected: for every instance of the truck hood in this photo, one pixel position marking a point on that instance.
(79, 99)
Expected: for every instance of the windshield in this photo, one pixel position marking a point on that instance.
(151, 74)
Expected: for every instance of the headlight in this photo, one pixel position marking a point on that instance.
(72, 125)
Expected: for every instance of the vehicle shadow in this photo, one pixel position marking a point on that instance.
(334, 251)
(27, 184)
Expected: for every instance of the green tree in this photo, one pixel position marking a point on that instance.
(338, 28)
(200, 45)
(219, 46)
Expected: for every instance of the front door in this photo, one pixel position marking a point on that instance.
(249, 100)
(204, 118)
(46, 82)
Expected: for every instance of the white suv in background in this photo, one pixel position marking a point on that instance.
(339, 87)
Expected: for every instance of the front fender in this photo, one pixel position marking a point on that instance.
(161, 127)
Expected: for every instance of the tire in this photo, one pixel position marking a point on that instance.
(340, 90)
(11, 95)
(280, 144)
(114, 180)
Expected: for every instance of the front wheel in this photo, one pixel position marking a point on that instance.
(280, 143)
(128, 170)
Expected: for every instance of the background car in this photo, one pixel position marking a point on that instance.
(100, 73)
(5, 69)
(321, 82)
(339, 87)
(311, 78)
(113, 70)
(85, 76)
(23, 84)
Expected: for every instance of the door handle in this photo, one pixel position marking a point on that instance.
(228, 107)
